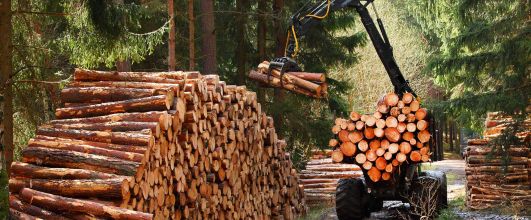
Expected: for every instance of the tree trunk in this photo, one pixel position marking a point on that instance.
(191, 34)
(452, 137)
(209, 37)
(6, 69)
(54, 202)
(21, 170)
(280, 36)
(20, 206)
(241, 50)
(171, 39)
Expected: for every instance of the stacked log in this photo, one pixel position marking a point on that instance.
(498, 175)
(396, 133)
(175, 145)
(319, 179)
(309, 84)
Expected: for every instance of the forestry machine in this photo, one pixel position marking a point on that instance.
(357, 198)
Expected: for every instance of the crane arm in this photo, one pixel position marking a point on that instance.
(308, 16)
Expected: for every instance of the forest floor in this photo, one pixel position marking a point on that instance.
(455, 173)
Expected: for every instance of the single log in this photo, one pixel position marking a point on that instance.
(391, 122)
(363, 146)
(388, 155)
(496, 161)
(107, 94)
(405, 148)
(60, 203)
(99, 188)
(391, 99)
(153, 103)
(380, 152)
(367, 165)
(400, 104)
(379, 132)
(361, 158)
(348, 149)
(424, 136)
(93, 75)
(15, 214)
(392, 134)
(374, 174)
(337, 156)
(377, 115)
(374, 144)
(307, 85)
(333, 142)
(411, 127)
(401, 157)
(69, 159)
(354, 116)
(386, 176)
(368, 133)
(117, 147)
(384, 144)
(401, 127)
(371, 120)
(136, 157)
(414, 105)
(421, 114)
(401, 118)
(380, 123)
(360, 125)
(316, 77)
(20, 206)
(382, 108)
(422, 125)
(110, 126)
(133, 85)
(132, 138)
(163, 118)
(393, 148)
(415, 156)
(381, 163)
(343, 136)
(20, 169)
(408, 136)
(354, 137)
(371, 155)
(487, 150)
(477, 142)
(407, 98)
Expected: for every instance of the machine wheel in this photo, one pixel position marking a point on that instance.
(351, 199)
(442, 197)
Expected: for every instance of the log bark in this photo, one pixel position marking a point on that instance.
(107, 94)
(54, 202)
(29, 209)
(163, 118)
(25, 170)
(275, 82)
(117, 147)
(133, 85)
(94, 75)
(68, 159)
(97, 188)
(121, 126)
(153, 103)
(132, 138)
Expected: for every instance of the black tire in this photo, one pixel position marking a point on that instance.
(442, 197)
(352, 199)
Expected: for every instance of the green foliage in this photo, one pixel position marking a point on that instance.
(103, 33)
(481, 50)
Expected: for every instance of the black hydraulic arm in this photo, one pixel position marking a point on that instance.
(307, 17)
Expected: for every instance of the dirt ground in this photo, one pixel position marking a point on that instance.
(455, 172)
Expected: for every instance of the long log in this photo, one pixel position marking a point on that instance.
(20, 169)
(331, 175)
(117, 147)
(93, 75)
(316, 77)
(133, 85)
(121, 126)
(487, 150)
(140, 138)
(24, 207)
(136, 157)
(153, 103)
(69, 159)
(15, 214)
(97, 188)
(162, 117)
(107, 94)
(61, 203)
(312, 87)
(484, 161)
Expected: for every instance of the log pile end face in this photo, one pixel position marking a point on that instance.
(134, 145)
(396, 133)
(494, 177)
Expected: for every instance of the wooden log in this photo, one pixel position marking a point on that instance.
(361, 158)
(110, 126)
(415, 156)
(386, 176)
(117, 147)
(355, 116)
(125, 84)
(363, 146)
(407, 98)
(20, 170)
(414, 105)
(135, 157)
(374, 174)
(405, 148)
(421, 114)
(381, 163)
(379, 132)
(343, 136)
(163, 118)
(369, 133)
(333, 142)
(391, 99)
(391, 122)
(316, 77)
(60, 203)
(68, 159)
(153, 103)
(275, 82)
(15, 214)
(32, 210)
(484, 161)
(348, 149)
(98, 188)
(367, 165)
(337, 156)
(132, 138)
(424, 136)
(422, 125)
(107, 94)
(375, 144)
(163, 77)
(354, 137)
(488, 150)
(392, 134)
(307, 85)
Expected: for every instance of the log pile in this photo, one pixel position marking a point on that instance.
(319, 179)
(396, 133)
(175, 145)
(501, 176)
(309, 84)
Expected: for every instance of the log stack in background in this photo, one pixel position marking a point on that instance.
(396, 133)
(319, 178)
(309, 84)
(494, 177)
(173, 145)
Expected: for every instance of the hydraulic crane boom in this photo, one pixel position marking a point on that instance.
(307, 17)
